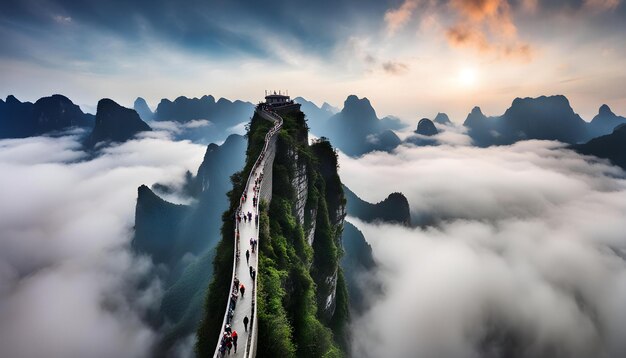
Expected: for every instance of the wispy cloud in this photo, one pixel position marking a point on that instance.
(487, 26)
(397, 18)
(395, 68)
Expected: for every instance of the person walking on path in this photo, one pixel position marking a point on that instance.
(245, 323)
(242, 289)
(248, 256)
(252, 273)
(234, 337)
(251, 269)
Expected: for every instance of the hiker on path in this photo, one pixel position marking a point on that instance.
(234, 337)
(242, 289)
(245, 323)
(247, 256)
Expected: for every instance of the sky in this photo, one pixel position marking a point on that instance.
(411, 58)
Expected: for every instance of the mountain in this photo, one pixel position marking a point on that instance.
(611, 146)
(181, 238)
(394, 209)
(426, 127)
(205, 120)
(329, 108)
(547, 118)
(317, 117)
(115, 123)
(48, 114)
(156, 223)
(356, 130)
(141, 107)
(605, 122)
(392, 123)
(442, 118)
(358, 264)
(302, 295)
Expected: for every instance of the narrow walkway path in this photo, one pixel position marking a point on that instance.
(242, 306)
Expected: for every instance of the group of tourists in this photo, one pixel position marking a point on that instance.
(229, 336)
(253, 244)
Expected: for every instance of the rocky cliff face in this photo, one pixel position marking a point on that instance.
(115, 123)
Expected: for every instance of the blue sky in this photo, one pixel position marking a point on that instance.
(412, 58)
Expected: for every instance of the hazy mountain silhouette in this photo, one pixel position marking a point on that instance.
(392, 123)
(356, 130)
(115, 123)
(141, 107)
(426, 127)
(182, 238)
(329, 108)
(222, 114)
(358, 260)
(357, 264)
(394, 209)
(48, 114)
(317, 117)
(548, 118)
(611, 146)
(442, 118)
(605, 122)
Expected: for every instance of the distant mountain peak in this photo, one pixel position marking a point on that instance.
(139, 101)
(426, 127)
(115, 123)
(327, 107)
(442, 118)
(360, 106)
(11, 99)
(605, 110)
(477, 111)
(142, 109)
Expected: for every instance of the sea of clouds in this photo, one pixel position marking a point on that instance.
(516, 251)
(70, 285)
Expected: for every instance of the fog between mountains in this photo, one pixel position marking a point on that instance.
(69, 284)
(526, 257)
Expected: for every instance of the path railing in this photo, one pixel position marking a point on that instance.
(250, 348)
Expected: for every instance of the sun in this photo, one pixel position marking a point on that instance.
(468, 77)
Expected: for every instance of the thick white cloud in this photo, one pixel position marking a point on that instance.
(526, 259)
(69, 284)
